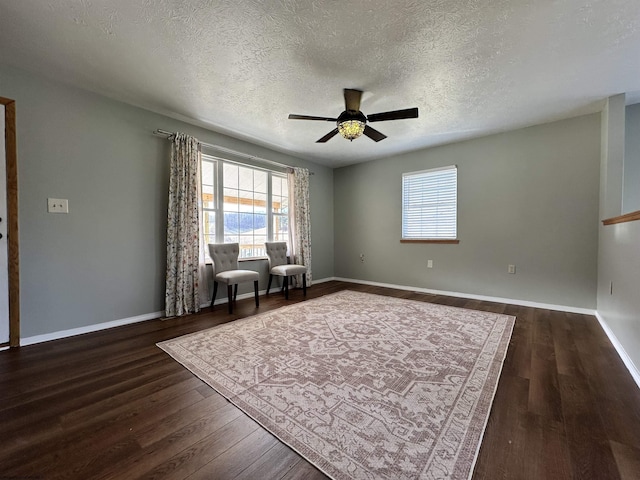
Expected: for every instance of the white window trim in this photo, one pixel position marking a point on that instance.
(219, 200)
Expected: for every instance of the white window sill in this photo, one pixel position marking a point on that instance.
(430, 240)
(252, 259)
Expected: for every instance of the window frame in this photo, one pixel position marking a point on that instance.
(218, 207)
(439, 219)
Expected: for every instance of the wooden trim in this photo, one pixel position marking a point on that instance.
(627, 217)
(12, 220)
(430, 240)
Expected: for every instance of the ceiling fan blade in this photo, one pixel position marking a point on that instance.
(373, 134)
(394, 115)
(328, 136)
(293, 116)
(352, 99)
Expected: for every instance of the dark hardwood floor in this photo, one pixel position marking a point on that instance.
(112, 405)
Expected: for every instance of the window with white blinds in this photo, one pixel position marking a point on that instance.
(429, 204)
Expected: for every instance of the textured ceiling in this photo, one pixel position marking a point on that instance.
(240, 67)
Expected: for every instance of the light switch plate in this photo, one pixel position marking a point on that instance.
(57, 205)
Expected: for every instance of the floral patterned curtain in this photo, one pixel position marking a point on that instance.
(185, 279)
(300, 220)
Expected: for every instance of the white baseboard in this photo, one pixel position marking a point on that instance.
(260, 292)
(224, 299)
(512, 301)
(322, 280)
(88, 329)
(633, 370)
(149, 316)
(125, 321)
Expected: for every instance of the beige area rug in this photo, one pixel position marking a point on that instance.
(363, 386)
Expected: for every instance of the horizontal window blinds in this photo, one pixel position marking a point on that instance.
(429, 204)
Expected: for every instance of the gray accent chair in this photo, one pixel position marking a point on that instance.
(225, 270)
(279, 265)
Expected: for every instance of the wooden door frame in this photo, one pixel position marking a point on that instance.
(12, 220)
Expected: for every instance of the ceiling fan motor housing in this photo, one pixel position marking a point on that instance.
(351, 115)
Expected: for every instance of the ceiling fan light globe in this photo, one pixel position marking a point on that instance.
(351, 129)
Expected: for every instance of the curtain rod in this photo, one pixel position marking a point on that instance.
(164, 133)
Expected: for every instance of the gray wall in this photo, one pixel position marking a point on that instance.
(630, 189)
(620, 264)
(527, 197)
(612, 141)
(105, 260)
(619, 255)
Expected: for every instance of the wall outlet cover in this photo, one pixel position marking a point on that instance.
(57, 205)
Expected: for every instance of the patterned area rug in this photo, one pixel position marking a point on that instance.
(363, 386)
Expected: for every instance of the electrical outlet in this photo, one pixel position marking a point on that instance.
(362, 257)
(57, 205)
(429, 263)
(512, 269)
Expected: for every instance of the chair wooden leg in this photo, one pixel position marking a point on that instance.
(286, 287)
(255, 288)
(215, 291)
(230, 297)
(269, 284)
(235, 292)
(304, 284)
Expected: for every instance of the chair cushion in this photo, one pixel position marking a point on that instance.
(288, 270)
(236, 276)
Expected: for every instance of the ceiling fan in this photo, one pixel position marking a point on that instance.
(352, 122)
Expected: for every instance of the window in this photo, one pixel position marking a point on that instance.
(243, 204)
(429, 204)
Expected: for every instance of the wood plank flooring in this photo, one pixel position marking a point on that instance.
(112, 405)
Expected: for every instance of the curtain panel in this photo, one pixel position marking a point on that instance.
(300, 221)
(185, 279)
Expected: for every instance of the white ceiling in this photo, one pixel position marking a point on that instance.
(240, 67)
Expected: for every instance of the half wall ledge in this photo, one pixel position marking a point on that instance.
(627, 217)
